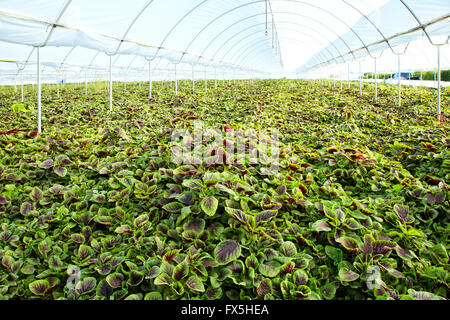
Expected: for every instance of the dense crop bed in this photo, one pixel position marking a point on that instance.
(360, 185)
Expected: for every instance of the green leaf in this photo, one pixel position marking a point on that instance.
(155, 295)
(141, 221)
(321, 225)
(36, 194)
(115, 280)
(288, 248)
(163, 279)
(60, 171)
(47, 164)
(209, 205)
(192, 183)
(173, 207)
(328, 291)
(334, 253)
(264, 288)
(135, 278)
(39, 287)
(85, 286)
(104, 289)
(195, 284)
(227, 251)
(180, 271)
(270, 268)
(347, 275)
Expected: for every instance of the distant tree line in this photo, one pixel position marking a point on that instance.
(426, 75)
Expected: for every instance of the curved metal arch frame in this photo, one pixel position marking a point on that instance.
(257, 48)
(293, 23)
(55, 24)
(299, 15)
(421, 25)
(258, 1)
(256, 45)
(283, 22)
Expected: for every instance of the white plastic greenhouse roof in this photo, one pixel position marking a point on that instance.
(261, 37)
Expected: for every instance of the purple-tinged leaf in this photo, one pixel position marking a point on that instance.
(209, 205)
(195, 284)
(54, 262)
(86, 286)
(77, 238)
(84, 252)
(47, 164)
(162, 280)
(328, 291)
(153, 272)
(288, 248)
(63, 159)
(7, 261)
(27, 269)
(194, 225)
(423, 295)
(352, 224)
(155, 295)
(39, 287)
(173, 207)
(180, 271)
(135, 278)
(105, 220)
(192, 184)
(349, 244)
(264, 287)
(227, 251)
(60, 171)
(104, 269)
(270, 269)
(115, 280)
(104, 289)
(141, 221)
(214, 293)
(300, 278)
(4, 200)
(347, 275)
(36, 194)
(265, 216)
(321, 225)
(25, 208)
(123, 229)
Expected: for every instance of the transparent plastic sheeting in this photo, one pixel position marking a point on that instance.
(222, 38)
(419, 55)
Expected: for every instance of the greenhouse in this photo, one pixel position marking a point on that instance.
(224, 150)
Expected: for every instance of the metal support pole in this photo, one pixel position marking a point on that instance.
(85, 84)
(360, 79)
(21, 85)
(193, 79)
(348, 75)
(439, 84)
(149, 79)
(399, 84)
(110, 84)
(57, 85)
(376, 84)
(206, 82)
(39, 90)
(215, 77)
(340, 74)
(176, 81)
